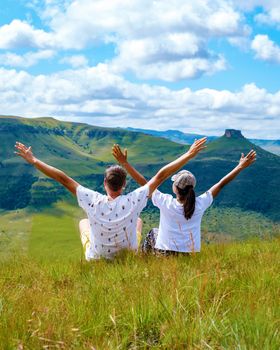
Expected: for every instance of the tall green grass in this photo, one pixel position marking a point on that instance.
(226, 297)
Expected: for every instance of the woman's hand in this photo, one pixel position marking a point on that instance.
(25, 152)
(197, 146)
(244, 162)
(120, 156)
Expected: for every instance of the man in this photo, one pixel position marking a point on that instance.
(112, 218)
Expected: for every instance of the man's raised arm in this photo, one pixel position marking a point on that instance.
(164, 172)
(244, 162)
(121, 157)
(56, 174)
(171, 168)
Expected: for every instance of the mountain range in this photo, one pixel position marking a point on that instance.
(83, 151)
(272, 146)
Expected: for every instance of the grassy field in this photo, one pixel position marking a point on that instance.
(226, 297)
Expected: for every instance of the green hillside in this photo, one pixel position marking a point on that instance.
(80, 150)
(83, 151)
(254, 189)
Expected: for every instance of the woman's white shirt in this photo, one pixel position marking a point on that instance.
(175, 231)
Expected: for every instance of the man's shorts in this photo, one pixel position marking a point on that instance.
(85, 238)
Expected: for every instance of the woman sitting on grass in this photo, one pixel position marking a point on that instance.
(180, 217)
(112, 219)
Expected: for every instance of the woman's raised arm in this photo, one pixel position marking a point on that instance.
(244, 162)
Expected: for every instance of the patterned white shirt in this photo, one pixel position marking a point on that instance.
(112, 222)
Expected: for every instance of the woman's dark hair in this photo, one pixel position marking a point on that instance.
(187, 197)
(115, 177)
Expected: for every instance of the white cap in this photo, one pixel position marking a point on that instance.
(183, 178)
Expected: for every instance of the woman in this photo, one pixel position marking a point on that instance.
(180, 217)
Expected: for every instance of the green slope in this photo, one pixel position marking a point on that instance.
(83, 151)
(254, 189)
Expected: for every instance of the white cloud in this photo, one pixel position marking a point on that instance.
(75, 61)
(86, 19)
(173, 71)
(268, 11)
(155, 40)
(243, 43)
(19, 34)
(165, 40)
(29, 59)
(266, 49)
(174, 57)
(271, 16)
(98, 96)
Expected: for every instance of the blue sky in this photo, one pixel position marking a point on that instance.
(198, 67)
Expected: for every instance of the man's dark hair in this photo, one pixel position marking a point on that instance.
(115, 177)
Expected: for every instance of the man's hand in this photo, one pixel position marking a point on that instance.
(25, 152)
(50, 171)
(197, 146)
(244, 162)
(120, 156)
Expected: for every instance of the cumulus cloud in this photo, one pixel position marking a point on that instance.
(153, 39)
(163, 40)
(19, 34)
(27, 60)
(135, 19)
(243, 43)
(266, 49)
(174, 57)
(268, 10)
(271, 16)
(97, 96)
(75, 61)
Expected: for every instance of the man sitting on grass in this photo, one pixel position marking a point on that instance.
(112, 219)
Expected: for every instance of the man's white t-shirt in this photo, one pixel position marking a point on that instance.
(112, 222)
(175, 231)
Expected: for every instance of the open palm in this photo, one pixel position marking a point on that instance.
(119, 155)
(25, 152)
(246, 161)
(197, 146)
